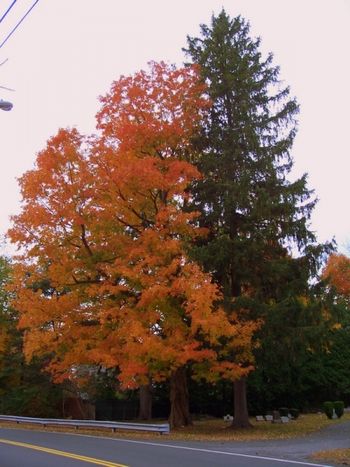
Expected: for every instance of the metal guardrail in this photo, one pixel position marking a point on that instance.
(161, 428)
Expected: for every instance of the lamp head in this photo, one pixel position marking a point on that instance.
(5, 105)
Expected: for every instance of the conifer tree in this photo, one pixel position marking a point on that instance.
(256, 217)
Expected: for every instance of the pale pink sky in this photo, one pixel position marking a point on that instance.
(67, 52)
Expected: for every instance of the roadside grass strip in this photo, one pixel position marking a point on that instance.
(56, 452)
(340, 456)
(209, 430)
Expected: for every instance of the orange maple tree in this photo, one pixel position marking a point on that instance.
(103, 277)
(337, 271)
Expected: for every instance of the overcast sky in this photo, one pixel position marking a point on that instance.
(67, 52)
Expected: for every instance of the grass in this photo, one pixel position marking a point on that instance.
(339, 456)
(213, 430)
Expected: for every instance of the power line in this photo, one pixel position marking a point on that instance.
(6, 12)
(19, 22)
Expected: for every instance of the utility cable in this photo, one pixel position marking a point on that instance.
(19, 22)
(6, 12)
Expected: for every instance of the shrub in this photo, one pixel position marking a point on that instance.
(284, 411)
(339, 408)
(328, 408)
(294, 413)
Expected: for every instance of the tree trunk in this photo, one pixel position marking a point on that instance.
(179, 399)
(241, 416)
(145, 409)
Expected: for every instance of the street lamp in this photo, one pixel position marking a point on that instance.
(5, 105)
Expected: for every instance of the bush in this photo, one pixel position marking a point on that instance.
(284, 411)
(294, 413)
(339, 408)
(328, 409)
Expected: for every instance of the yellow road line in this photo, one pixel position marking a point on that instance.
(91, 460)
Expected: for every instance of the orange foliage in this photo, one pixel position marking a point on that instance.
(103, 276)
(337, 271)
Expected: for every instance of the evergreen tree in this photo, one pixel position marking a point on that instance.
(257, 218)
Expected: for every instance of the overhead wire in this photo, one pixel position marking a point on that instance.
(7, 11)
(19, 22)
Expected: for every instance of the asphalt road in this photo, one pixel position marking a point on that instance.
(27, 448)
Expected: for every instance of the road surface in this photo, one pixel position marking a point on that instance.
(28, 448)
